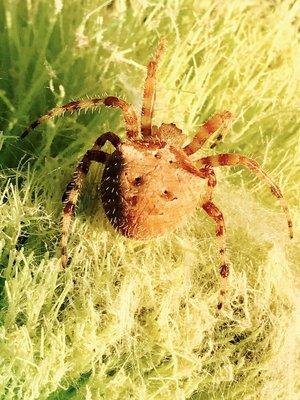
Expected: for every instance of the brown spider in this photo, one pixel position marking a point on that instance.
(149, 184)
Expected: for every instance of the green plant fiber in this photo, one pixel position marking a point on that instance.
(131, 319)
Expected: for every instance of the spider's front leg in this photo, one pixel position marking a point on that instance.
(150, 91)
(129, 114)
(70, 197)
(218, 122)
(213, 211)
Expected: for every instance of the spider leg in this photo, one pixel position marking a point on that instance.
(150, 91)
(219, 121)
(128, 110)
(210, 175)
(237, 159)
(212, 210)
(71, 194)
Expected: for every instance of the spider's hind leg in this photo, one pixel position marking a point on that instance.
(71, 194)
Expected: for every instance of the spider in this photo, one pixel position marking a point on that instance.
(149, 183)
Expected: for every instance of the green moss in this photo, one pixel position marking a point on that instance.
(129, 319)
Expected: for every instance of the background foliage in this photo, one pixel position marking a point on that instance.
(129, 319)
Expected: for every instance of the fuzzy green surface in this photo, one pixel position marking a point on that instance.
(130, 319)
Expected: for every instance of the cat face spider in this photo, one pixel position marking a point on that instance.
(149, 184)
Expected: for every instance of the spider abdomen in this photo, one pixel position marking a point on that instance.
(148, 188)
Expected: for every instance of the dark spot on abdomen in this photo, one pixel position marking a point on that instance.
(168, 195)
(138, 181)
(133, 200)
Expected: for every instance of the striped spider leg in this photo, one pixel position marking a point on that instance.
(218, 122)
(129, 114)
(95, 154)
(150, 91)
(216, 214)
(71, 194)
(221, 122)
(231, 159)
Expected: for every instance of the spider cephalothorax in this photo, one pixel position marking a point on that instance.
(149, 184)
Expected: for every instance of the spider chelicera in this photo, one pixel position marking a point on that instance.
(149, 184)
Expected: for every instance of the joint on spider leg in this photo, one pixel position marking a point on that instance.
(209, 174)
(72, 186)
(64, 256)
(276, 192)
(212, 181)
(83, 166)
(69, 208)
(224, 270)
(221, 301)
(108, 136)
(290, 226)
(217, 141)
(97, 155)
(220, 229)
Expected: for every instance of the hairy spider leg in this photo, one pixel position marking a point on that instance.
(209, 173)
(238, 159)
(150, 91)
(218, 122)
(129, 114)
(212, 210)
(70, 197)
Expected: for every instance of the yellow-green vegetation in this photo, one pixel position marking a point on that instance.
(130, 319)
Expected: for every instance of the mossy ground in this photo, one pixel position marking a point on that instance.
(129, 319)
